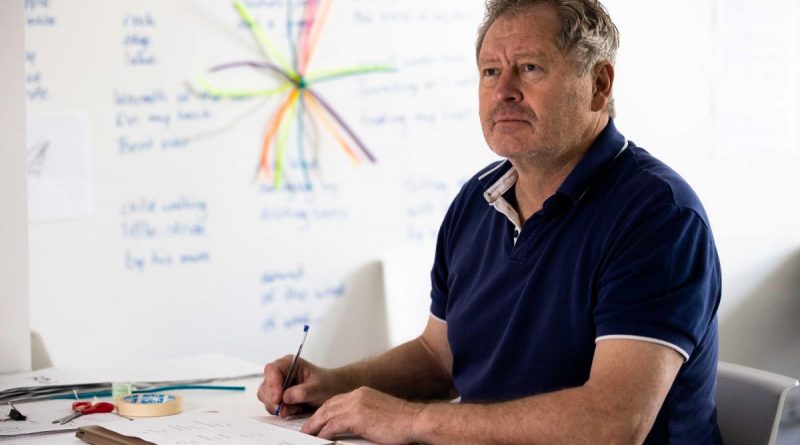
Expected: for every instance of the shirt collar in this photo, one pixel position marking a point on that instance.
(608, 145)
(497, 182)
(594, 164)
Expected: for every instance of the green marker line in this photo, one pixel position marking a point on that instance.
(323, 75)
(261, 37)
(220, 92)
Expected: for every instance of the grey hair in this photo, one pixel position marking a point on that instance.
(587, 32)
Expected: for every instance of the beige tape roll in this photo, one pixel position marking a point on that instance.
(149, 405)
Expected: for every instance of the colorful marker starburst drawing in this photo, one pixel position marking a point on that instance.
(295, 85)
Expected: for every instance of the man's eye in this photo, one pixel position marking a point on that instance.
(489, 72)
(529, 67)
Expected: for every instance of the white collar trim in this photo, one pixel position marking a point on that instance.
(494, 196)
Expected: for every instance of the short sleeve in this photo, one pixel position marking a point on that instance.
(439, 272)
(660, 281)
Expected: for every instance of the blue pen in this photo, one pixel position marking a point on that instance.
(290, 375)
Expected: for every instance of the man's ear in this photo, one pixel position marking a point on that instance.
(602, 85)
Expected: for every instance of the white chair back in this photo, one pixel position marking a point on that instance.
(749, 404)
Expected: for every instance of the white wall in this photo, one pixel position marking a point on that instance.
(712, 88)
(14, 324)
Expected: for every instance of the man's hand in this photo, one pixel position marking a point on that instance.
(312, 386)
(418, 369)
(368, 413)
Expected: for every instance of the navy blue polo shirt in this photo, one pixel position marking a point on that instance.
(623, 249)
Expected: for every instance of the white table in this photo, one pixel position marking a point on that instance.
(236, 403)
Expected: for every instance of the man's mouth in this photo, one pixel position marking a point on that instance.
(509, 120)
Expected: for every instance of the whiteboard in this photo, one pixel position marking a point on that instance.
(154, 237)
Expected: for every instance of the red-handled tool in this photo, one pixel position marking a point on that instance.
(81, 408)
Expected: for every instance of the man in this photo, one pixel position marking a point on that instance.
(575, 284)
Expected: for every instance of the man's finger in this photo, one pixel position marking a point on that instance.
(274, 375)
(332, 428)
(315, 423)
(262, 393)
(276, 394)
(274, 372)
(297, 394)
(291, 410)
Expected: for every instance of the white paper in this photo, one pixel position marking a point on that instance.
(292, 423)
(43, 377)
(59, 167)
(40, 417)
(204, 366)
(296, 423)
(212, 428)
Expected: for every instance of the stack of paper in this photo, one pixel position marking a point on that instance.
(213, 428)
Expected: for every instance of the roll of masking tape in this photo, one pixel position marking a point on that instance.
(149, 405)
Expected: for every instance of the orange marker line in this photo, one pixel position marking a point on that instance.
(273, 128)
(317, 110)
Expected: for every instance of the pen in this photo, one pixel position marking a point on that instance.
(290, 375)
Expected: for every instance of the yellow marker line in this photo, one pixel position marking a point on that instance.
(266, 45)
(220, 92)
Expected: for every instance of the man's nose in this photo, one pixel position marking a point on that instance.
(508, 89)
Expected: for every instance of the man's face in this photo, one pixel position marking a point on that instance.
(533, 102)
